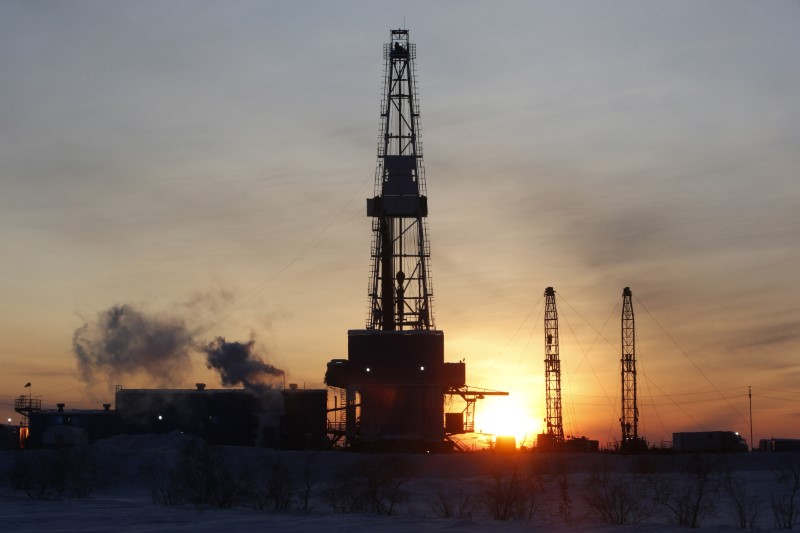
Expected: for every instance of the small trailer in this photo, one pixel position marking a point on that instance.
(779, 445)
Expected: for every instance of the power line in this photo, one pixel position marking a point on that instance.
(508, 342)
(676, 404)
(586, 358)
(318, 239)
(699, 370)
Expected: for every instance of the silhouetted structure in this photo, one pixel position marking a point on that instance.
(708, 441)
(552, 370)
(400, 292)
(630, 410)
(287, 419)
(779, 445)
(26, 405)
(391, 387)
(580, 445)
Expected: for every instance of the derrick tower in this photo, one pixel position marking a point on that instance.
(391, 388)
(630, 412)
(400, 292)
(552, 371)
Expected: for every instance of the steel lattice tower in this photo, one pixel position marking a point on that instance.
(630, 412)
(400, 290)
(552, 369)
(393, 383)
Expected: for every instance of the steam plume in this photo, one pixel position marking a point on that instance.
(123, 340)
(237, 364)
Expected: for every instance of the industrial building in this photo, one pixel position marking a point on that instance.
(287, 419)
(394, 386)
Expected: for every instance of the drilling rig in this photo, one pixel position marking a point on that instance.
(629, 420)
(553, 438)
(391, 388)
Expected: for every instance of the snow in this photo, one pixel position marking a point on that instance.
(123, 469)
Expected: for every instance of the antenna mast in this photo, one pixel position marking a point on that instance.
(630, 411)
(552, 369)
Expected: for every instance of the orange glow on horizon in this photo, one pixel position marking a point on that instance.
(508, 416)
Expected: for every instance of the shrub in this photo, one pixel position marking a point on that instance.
(617, 499)
(160, 478)
(375, 484)
(345, 492)
(455, 503)
(384, 479)
(690, 499)
(51, 474)
(306, 485)
(745, 504)
(273, 485)
(787, 475)
(510, 492)
(201, 477)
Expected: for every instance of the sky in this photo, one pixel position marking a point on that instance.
(206, 163)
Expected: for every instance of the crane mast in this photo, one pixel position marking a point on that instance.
(400, 293)
(552, 370)
(630, 412)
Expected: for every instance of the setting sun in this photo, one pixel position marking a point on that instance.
(508, 416)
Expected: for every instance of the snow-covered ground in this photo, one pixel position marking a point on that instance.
(175, 483)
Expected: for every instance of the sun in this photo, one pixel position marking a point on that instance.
(503, 416)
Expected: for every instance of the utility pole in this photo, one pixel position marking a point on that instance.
(750, 397)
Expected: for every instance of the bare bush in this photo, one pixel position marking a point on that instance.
(385, 478)
(52, 474)
(81, 472)
(617, 499)
(455, 503)
(783, 504)
(689, 499)
(201, 477)
(375, 484)
(745, 504)
(272, 484)
(782, 512)
(564, 498)
(345, 492)
(204, 476)
(159, 475)
(33, 475)
(307, 484)
(510, 492)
